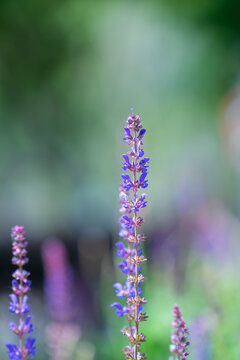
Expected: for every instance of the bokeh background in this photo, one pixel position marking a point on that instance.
(70, 71)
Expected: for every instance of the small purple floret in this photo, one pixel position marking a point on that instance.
(120, 311)
(13, 351)
(141, 133)
(124, 266)
(121, 250)
(29, 346)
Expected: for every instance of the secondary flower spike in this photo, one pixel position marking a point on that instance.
(179, 336)
(131, 202)
(18, 303)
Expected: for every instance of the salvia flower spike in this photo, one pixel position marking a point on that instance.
(135, 166)
(179, 336)
(18, 303)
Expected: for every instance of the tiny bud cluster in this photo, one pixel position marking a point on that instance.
(179, 336)
(18, 303)
(132, 258)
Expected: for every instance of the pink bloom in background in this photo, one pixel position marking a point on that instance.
(59, 281)
(179, 336)
(62, 332)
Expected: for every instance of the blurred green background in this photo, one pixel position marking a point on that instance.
(70, 72)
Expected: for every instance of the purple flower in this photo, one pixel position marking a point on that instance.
(126, 164)
(20, 288)
(126, 221)
(21, 275)
(142, 182)
(141, 203)
(133, 206)
(131, 203)
(15, 307)
(128, 290)
(29, 346)
(128, 136)
(25, 307)
(143, 163)
(24, 326)
(18, 303)
(14, 352)
(120, 311)
(140, 153)
(59, 286)
(179, 335)
(119, 289)
(127, 183)
(141, 134)
(123, 232)
(124, 266)
(14, 304)
(121, 251)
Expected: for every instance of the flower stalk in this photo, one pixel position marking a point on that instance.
(18, 303)
(179, 337)
(131, 203)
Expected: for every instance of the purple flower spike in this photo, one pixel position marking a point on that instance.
(131, 203)
(18, 303)
(179, 336)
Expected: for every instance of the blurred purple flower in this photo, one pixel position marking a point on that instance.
(60, 299)
(179, 335)
(58, 283)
